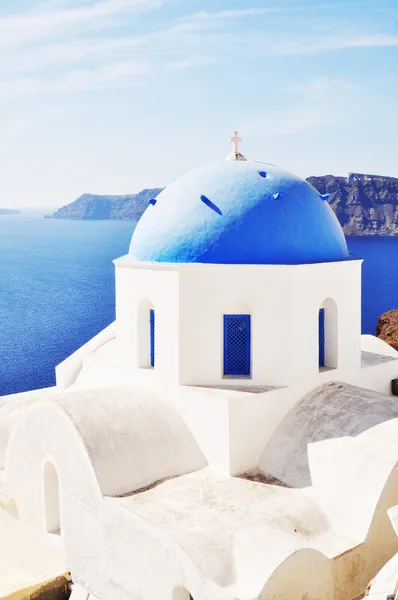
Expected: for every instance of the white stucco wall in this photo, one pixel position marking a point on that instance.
(67, 371)
(254, 418)
(133, 436)
(283, 301)
(371, 343)
(117, 439)
(328, 414)
(138, 290)
(207, 293)
(313, 286)
(11, 407)
(292, 581)
(62, 445)
(230, 538)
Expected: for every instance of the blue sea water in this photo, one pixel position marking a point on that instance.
(57, 289)
(56, 292)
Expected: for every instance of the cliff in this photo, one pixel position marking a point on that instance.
(93, 206)
(9, 211)
(387, 328)
(364, 205)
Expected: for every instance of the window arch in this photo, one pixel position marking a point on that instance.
(328, 334)
(146, 334)
(236, 339)
(51, 498)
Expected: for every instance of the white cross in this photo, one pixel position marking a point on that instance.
(235, 139)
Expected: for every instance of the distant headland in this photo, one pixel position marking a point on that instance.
(364, 204)
(100, 207)
(9, 211)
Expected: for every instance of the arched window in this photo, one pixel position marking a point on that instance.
(51, 499)
(146, 337)
(328, 335)
(237, 349)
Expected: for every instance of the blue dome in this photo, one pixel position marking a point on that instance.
(239, 213)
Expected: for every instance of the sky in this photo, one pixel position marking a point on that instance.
(112, 96)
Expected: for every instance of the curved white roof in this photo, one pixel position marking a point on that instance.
(332, 410)
(133, 439)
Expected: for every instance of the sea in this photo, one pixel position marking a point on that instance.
(57, 289)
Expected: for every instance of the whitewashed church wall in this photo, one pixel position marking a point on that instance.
(131, 561)
(371, 343)
(250, 430)
(209, 292)
(365, 468)
(306, 573)
(63, 447)
(313, 287)
(157, 289)
(84, 543)
(207, 417)
(77, 501)
(381, 543)
(283, 302)
(67, 371)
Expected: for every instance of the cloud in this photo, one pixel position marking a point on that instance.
(288, 122)
(85, 43)
(303, 46)
(319, 86)
(319, 104)
(116, 75)
(120, 74)
(208, 19)
(36, 24)
(190, 63)
(205, 19)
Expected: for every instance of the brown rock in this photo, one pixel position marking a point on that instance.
(56, 589)
(387, 328)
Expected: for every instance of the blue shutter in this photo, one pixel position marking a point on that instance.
(152, 336)
(236, 344)
(321, 337)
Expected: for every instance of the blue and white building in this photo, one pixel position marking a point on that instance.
(232, 435)
(246, 273)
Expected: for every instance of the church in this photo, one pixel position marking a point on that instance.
(231, 436)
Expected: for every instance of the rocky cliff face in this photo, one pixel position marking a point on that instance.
(363, 207)
(387, 328)
(93, 206)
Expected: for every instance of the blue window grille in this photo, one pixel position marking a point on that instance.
(152, 335)
(321, 337)
(236, 344)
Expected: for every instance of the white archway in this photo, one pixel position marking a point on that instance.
(237, 307)
(51, 498)
(237, 340)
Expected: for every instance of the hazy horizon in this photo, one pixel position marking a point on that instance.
(112, 96)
